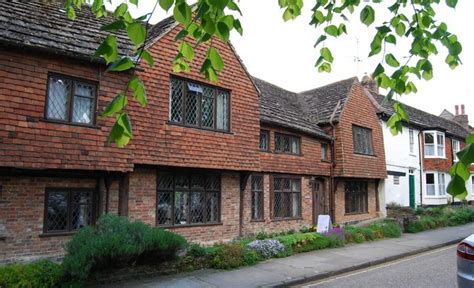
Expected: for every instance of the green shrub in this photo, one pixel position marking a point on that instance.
(358, 237)
(251, 257)
(196, 251)
(461, 216)
(116, 242)
(228, 256)
(43, 273)
(391, 229)
(428, 223)
(304, 242)
(261, 235)
(415, 227)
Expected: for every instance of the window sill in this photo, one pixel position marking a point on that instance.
(412, 155)
(326, 161)
(356, 213)
(436, 157)
(198, 128)
(56, 234)
(189, 225)
(257, 221)
(286, 219)
(265, 151)
(69, 123)
(367, 155)
(436, 197)
(289, 154)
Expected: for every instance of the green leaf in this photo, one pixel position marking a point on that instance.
(187, 50)
(461, 170)
(121, 132)
(470, 139)
(391, 60)
(223, 31)
(148, 58)
(122, 64)
(182, 13)
(457, 187)
(166, 4)
(331, 30)
(114, 26)
(400, 29)
(139, 92)
(455, 48)
(137, 33)
(326, 54)
(120, 10)
(108, 49)
(233, 6)
(466, 155)
(181, 34)
(427, 74)
(134, 2)
(215, 58)
(238, 26)
(367, 15)
(325, 67)
(391, 39)
(320, 39)
(71, 14)
(221, 4)
(378, 70)
(452, 3)
(116, 105)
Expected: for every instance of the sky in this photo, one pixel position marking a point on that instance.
(282, 52)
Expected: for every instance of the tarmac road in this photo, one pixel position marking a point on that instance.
(431, 269)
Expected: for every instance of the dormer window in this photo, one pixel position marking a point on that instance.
(434, 144)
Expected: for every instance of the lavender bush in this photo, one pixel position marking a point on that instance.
(267, 248)
(336, 232)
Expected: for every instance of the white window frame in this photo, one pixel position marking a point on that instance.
(411, 136)
(436, 144)
(456, 148)
(439, 185)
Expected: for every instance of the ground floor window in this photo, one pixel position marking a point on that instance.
(67, 210)
(286, 197)
(184, 199)
(435, 184)
(257, 197)
(356, 196)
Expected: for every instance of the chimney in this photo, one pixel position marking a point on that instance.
(462, 117)
(370, 84)
(456, 108)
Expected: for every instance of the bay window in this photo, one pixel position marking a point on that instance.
(434, 144)
(435, 184)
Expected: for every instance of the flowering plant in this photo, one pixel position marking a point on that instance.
(267, 248)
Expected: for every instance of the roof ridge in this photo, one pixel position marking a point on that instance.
(274, 85)
(330, 84)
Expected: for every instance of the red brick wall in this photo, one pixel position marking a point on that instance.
(359, 110)
(340, 213)
(439, 164)
(308, 163)
(27, 141)
(22, 212)
(158, 142)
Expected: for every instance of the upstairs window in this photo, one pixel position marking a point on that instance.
(70, 100)
(434, 144)
(264, 136)
(196, 105)
(362, 140)
(287, 144)
(324, 152)
(411, 135)
(456, 148)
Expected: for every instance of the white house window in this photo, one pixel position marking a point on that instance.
(396, 180)
(456, 148)
(412, 140)
(435, 184)
(434, 144)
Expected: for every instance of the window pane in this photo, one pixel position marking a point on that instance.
(264, 140)
(164, 205)
(278, 205)
(207, 108)
(58, 94)
(295, 145)
(176, 100)
(430, 178)
(324, 152)
(257, 197)
(82, 110)
(430, 184)
(181, 207)
(296, 204)
(191, 108)
(57, 211)
(429, 138)
(278, 143)
(222, 110)
(441, 184)
(213, 207)
(197, 207)
(362, 140)
(82, 209)
(429, 149)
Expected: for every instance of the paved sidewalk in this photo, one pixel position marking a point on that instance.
(310, 266)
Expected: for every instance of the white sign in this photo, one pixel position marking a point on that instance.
(324, 223)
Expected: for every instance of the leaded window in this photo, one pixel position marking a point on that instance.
(197, 105)
(287, 144)
(356, 196)
(362, 140)
(184, 199)
(257, 197)
(70, 100)
(264, 137)
(286, 197)
(67, 210)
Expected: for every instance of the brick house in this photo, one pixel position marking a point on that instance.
(209, 161)
(418, 160)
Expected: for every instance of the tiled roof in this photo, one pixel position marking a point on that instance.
(322, 101)
(423, 119)
(284, 108)
(44, 26)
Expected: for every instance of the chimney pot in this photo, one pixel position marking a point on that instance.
(462, 110)
(456, 108)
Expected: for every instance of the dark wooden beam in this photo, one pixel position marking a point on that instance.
(123, 195)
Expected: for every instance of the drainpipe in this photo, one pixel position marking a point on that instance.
(332, 188)
(420, 153)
